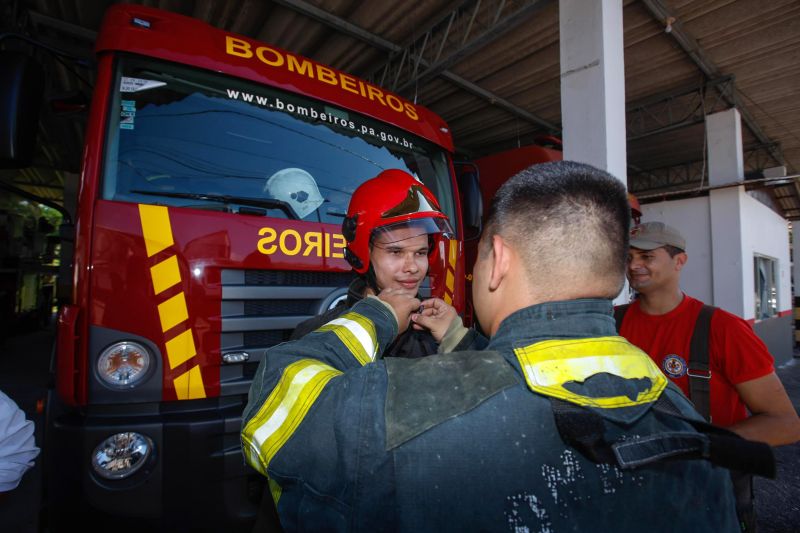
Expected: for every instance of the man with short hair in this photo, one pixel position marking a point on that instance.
(558, 425)
(661, 322)
(712, 355)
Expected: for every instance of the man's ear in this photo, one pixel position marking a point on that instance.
(501, 260)
(680, 261)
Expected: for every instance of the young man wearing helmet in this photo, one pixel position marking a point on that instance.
(391, 226)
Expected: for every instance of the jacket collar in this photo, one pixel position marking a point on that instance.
(587, 317)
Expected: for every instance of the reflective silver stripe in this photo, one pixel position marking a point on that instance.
(358, 335)
(284, 409)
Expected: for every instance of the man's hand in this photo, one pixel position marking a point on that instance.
(435, 316)
(403, 302)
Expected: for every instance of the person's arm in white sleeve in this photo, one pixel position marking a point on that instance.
(17, 446)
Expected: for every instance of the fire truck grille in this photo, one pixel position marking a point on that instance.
(279, 307)
(261, 308)
(265, 338)
(298, 278)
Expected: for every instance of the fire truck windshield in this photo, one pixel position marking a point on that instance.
(184, 137)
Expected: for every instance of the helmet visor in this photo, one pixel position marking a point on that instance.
(408, 229)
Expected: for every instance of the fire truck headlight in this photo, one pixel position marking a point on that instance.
(120, 455)
(123, 365)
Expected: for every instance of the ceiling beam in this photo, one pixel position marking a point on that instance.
(452, 38)
(664, 16)
(348, 28)
(64, 27)
(676, 109)
(689, 174)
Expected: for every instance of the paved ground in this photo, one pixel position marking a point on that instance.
(778, 500)
(24, 362)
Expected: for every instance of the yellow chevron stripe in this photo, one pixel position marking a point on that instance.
(189, 385)
(284, 409)
(155, 228)
(450, 280)
(173, 311)
(180, 348)
(157, 232)
(165, 274)
(453, 253)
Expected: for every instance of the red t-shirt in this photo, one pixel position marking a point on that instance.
(737, 354)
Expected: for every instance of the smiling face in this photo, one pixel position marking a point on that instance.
(652, 270)
(399, 258)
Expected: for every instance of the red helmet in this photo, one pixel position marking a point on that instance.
(391, 200)
(636, 209)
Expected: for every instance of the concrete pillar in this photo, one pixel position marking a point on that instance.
(725, 165)
(593, 88)
(593, 84)
(725, 158)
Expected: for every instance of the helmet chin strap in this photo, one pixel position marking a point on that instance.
(372, 281)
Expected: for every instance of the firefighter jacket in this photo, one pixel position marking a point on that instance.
(467, 441)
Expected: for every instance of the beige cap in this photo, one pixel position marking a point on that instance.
(652, 235)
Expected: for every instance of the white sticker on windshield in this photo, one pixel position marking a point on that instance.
(135, 85)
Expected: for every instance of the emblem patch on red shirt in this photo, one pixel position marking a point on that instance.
(674, 366)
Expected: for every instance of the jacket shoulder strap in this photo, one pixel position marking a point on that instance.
(699, 368)
(584, 430)
(619, 315)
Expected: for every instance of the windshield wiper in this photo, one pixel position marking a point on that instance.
(269, 203)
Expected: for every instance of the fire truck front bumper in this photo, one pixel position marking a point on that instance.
(183, 469)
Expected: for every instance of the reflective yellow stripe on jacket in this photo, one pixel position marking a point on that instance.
(548, 365)
(284, 410)
(357, 333)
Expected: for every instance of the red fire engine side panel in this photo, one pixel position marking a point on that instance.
(494, 170)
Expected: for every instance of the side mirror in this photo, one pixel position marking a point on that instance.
(66, 233)
(471, 200)
(20, 100)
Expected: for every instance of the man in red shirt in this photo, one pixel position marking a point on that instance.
(661, 322)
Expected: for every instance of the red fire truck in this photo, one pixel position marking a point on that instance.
(216, 174)
(491, 172)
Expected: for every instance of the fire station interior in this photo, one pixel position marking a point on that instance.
(693, 79)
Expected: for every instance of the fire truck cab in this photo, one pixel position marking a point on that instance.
(215, 177)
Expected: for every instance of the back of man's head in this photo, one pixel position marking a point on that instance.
(569, 223)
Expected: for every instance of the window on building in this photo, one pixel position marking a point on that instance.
(766, 287)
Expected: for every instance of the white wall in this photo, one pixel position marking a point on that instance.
(690, 217)
(727, 256)
(763, 232)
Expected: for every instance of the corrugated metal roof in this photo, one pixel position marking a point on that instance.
(510, 50)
